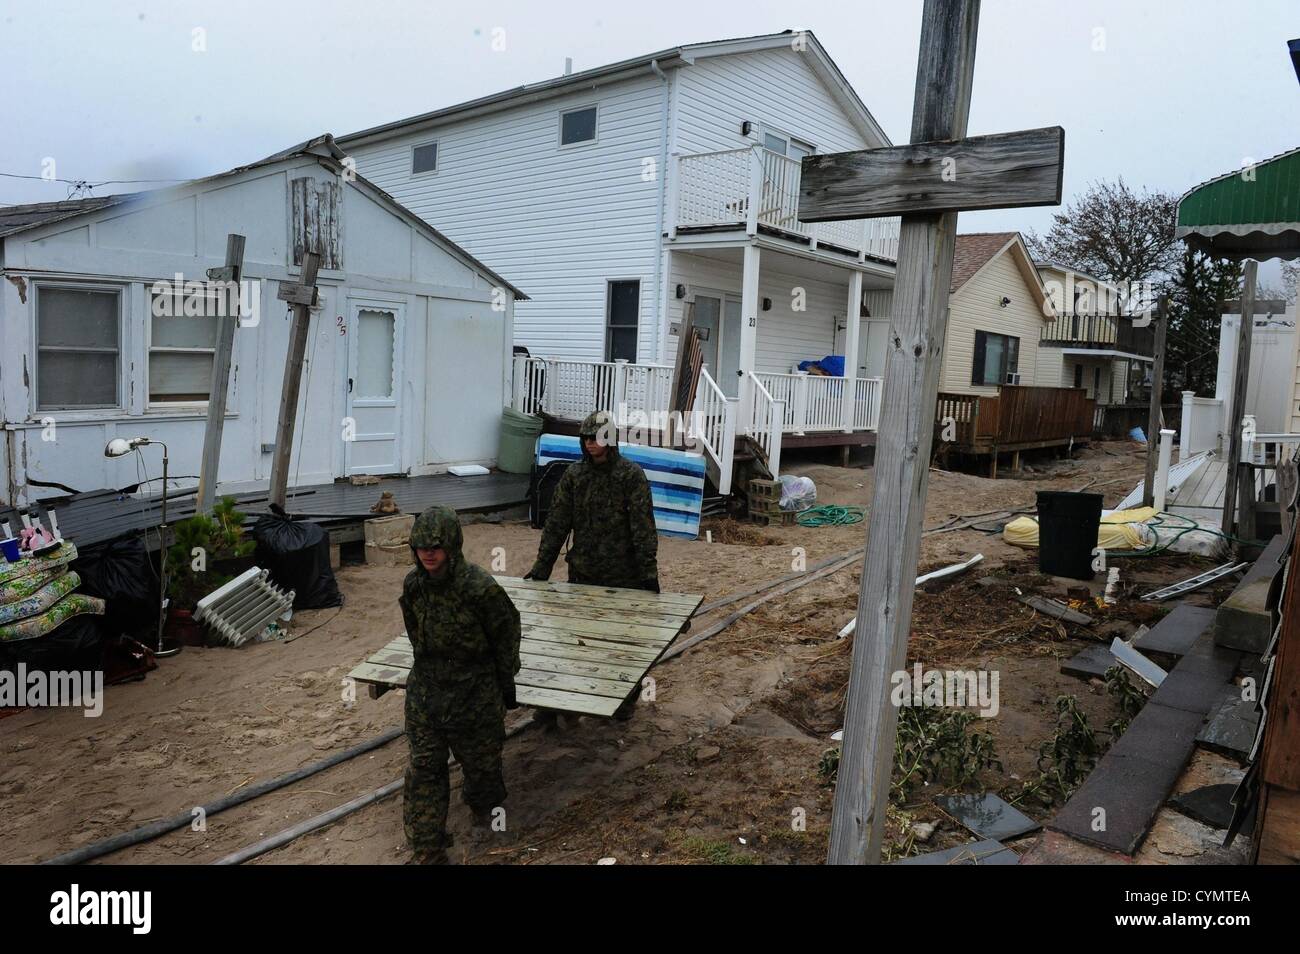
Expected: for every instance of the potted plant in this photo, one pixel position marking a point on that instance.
(205, 549)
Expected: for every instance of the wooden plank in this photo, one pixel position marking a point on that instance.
(618, 672)
(219, 383)
(382, 675)
(666, 602)
(591, 611)
(548, 698)
(1002, 171)
(290, 386)
(560, 644)
(566, 637)
(568, 682)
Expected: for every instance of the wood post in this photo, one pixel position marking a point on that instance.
(1155, 422)
(298, 332)
(232, 275)
(1238, 410)
(748, 339)
(919, 327)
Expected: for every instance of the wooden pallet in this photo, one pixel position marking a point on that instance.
(585, 649)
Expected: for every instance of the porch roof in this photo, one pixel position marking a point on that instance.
(1252, 212)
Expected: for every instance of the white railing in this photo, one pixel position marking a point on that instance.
(717, 188)
(637, 394)
(765, 425)
(713, 426)
(816, 402)
(866, 403)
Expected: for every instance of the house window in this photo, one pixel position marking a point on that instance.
(78, 347)
(787, 146)
(424, 158)
(182, 343)
(996, 357)
(578, 125)
(623, 309)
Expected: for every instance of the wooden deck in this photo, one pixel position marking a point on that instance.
(1017, 418)
(585, 649)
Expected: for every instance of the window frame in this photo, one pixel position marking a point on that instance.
(979, 354)
(595, 127)
(609, 314)
(437, 158)
(122, 292)
(149, 348)
(789, 140)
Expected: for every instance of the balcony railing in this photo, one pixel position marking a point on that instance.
(753, 187)
(1101, 333)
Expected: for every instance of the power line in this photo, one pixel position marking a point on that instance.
(86, 182)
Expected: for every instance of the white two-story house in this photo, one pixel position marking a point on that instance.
(621, 194)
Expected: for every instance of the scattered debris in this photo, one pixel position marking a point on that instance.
(1194, 583)
(988, 816)
(238, 611)
(1210, 805)
(976, 853)
(1054, 609)
(946, 571)
(1148, 671)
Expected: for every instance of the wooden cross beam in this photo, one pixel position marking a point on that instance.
(301, 297)
(927, 184)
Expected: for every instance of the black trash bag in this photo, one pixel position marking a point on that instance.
(121, 573)
(77, 644)
(297, 555)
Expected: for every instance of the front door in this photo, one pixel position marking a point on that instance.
(719, 313)
(370, 430)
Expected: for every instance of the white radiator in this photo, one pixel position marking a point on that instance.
(242, 608)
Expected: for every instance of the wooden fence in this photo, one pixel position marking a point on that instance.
(1016, 418)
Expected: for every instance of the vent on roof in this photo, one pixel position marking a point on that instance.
(242, 608)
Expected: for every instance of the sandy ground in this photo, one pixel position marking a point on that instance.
(714, 770)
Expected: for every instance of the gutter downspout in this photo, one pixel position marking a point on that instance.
(659, 215)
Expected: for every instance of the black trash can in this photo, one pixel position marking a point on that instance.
(1067, 533)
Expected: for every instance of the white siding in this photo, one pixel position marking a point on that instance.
(559, 222)
(774, 89)
(975, 308)
(445, 303)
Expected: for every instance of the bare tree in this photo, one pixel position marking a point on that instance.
(1114, 233)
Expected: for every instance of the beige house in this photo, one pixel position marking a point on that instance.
(998, 312)
(1101, 351)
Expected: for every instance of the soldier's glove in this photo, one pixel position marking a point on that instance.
(536, 574)
(508, 696)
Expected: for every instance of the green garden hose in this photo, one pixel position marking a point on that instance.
(829, 515)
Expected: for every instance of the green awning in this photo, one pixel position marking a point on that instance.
(1253, 212)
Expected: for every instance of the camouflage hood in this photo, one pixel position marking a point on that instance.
(599, 424)
(438, 527)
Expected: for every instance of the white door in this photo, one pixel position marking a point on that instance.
(873, 337)
(720, 314)
(370, 432)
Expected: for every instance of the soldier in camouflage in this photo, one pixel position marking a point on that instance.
(604, 501)
(464, 631)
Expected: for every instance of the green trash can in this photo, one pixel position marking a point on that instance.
(518, 441)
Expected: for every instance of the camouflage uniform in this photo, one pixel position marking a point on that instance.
(464, 631)
(607, 507)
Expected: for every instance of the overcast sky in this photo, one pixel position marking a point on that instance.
(1166, 94)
